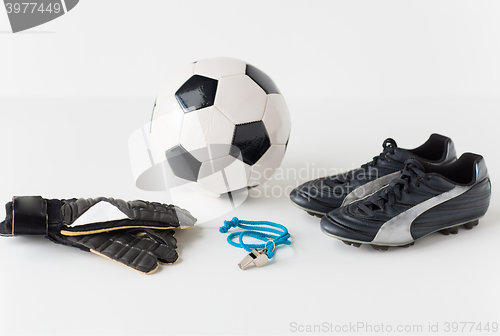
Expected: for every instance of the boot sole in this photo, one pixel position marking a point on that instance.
(445, 231)
(310, 212)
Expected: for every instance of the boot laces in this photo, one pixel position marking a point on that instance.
(389, 146)
(412, 172)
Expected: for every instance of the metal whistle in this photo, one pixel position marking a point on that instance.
(258, 257)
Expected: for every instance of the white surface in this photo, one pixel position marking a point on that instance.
(178, 77)
(352, 72)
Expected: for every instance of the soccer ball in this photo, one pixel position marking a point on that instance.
(222, 124)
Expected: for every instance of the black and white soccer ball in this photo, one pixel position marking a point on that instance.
(222, 124)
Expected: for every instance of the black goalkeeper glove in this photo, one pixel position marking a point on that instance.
(136, 233)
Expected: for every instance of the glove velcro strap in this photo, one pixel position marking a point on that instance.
(29, 215)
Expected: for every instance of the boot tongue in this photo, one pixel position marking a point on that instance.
(400, 155)
(414, 163)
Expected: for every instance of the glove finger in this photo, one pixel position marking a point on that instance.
(154, 211)
(167, 241)
(140, 253)
(90, 216)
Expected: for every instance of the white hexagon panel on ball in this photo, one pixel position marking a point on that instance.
(220, 67)
(203, 128)
(166, 123)
(277, 119)
(241, 99)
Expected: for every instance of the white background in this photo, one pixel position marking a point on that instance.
(353, 72)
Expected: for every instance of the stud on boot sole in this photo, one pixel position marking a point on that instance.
(314, 214)
(452, 230)
(471, 225)
(351, 243)
(380, 247)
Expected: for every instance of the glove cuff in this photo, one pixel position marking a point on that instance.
(30, 215)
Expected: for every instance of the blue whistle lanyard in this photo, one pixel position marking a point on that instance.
(272, 234)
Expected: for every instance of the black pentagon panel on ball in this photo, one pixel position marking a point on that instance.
(262, 80)
(252, 141)
(183, 163)
(196, 93)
